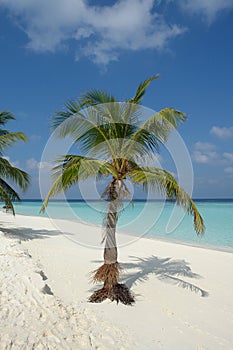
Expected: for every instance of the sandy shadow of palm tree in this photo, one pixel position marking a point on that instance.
(25, 234)
(165, 269)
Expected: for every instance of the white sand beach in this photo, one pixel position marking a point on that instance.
(184, 294)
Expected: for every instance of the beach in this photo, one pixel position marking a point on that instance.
(183, 293)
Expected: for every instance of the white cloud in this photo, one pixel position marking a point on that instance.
(35, 137)
(100, 32)
(228, 157)
(229, 170)
(200, 157)
(222, 132)
(204, 152)
(33, 164)
(204, 146)
(208, 9)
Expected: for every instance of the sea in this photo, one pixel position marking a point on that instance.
(151, 219)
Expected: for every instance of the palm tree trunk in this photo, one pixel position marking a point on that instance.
(109, 271)
(110, 250)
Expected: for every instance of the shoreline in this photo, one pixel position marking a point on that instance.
(183, 293)
(185, 243)
(132, 234)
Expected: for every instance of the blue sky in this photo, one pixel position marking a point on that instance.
(52, 51)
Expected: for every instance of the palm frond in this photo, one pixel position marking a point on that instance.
(4, 197)
(154, 131)
(55, 189)
(79, 168)
(88, 129)
(141, 147)
(117, 112)
(142, 89)
(73, 169)
(161, 124)
(106, 140)
(5, 116)
(7, 139)
(162, 181)
(13, 196)
(95, 97)
(19, 177)
(71, 108)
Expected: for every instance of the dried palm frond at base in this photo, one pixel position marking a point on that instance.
(118, 292)
(99, 295)
(122, 293)
(107, 273)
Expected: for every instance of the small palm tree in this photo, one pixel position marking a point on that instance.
(7, 171)
(115, 143)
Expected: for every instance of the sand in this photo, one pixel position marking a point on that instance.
(184, 294)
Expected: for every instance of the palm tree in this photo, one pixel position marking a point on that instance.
(114, 144)
(7, 171)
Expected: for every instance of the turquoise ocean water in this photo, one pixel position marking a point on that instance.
(150, 219)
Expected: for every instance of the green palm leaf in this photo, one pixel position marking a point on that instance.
(154, 131)
(142, 89)
(71, 108)
(5, 116)
(91, 98)
(7, 139)
(13, 196)
(73, 169)
(162, 181)
(7, 171)
(4, 197)
(14, 174)
(103, 130)
(95, 97)
(161, 124)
